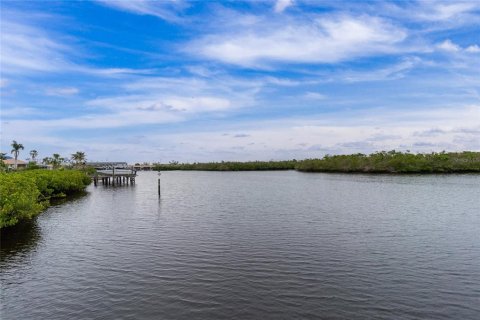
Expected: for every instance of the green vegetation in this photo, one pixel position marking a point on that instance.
(379, 162)
(26, 193)
(19, 199)
(3, 166)
(229, 166)
(32, 165)
(395, 162)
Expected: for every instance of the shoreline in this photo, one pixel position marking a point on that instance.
(391, 162)
(333, 172)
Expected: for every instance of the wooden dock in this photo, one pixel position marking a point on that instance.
(114, 176)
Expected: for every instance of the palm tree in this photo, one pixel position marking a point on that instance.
(56, 161)
(16, 147)
(79, 158)
(34, 154)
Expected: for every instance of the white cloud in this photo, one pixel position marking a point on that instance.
(241, 92)
(395, 71)
(314, 96)
(164, 103)
(313, 137)
(440, 10)
(26, 47)
(448, 45)
(354, 131)
(18, 111)
(122, 118)
(112, 72)
(29, 48)
(167, 9)
(202, 71)
(178, 97)
(473, 49)
(433, 15)
(324, 39)
(281, 5)
(66, 91)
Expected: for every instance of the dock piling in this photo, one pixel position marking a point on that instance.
(159, 186)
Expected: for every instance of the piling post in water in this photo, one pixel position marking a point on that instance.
(159, 188)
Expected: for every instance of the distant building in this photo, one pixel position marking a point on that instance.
(11, 163)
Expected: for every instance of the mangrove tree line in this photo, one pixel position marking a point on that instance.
(378, 162)
(26, 193)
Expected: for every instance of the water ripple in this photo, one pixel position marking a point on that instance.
(250, 245)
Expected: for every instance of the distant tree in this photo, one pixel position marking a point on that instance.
(16, 147)
(34, 154)
(79, 158)
(3, 155)
(56, 160)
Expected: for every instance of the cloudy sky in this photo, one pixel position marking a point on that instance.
(204, 80)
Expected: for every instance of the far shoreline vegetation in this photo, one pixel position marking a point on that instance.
(392, 162)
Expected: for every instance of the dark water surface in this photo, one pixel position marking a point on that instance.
(252, 245)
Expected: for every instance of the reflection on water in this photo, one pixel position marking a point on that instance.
(252, 245)
(23, 237)
(18, 240)
(72, 197)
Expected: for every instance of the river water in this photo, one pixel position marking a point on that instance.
(251, 245)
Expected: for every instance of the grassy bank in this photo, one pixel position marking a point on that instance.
(26, 193)
(379, 162)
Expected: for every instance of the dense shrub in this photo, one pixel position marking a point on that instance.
(24, 194)
(395, 162)
(56, 183)
(380, 162)
(18, 199)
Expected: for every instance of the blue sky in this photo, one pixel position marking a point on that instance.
(230, 80)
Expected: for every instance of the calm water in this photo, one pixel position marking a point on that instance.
(252, 245)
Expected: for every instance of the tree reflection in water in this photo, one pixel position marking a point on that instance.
(18, 240)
